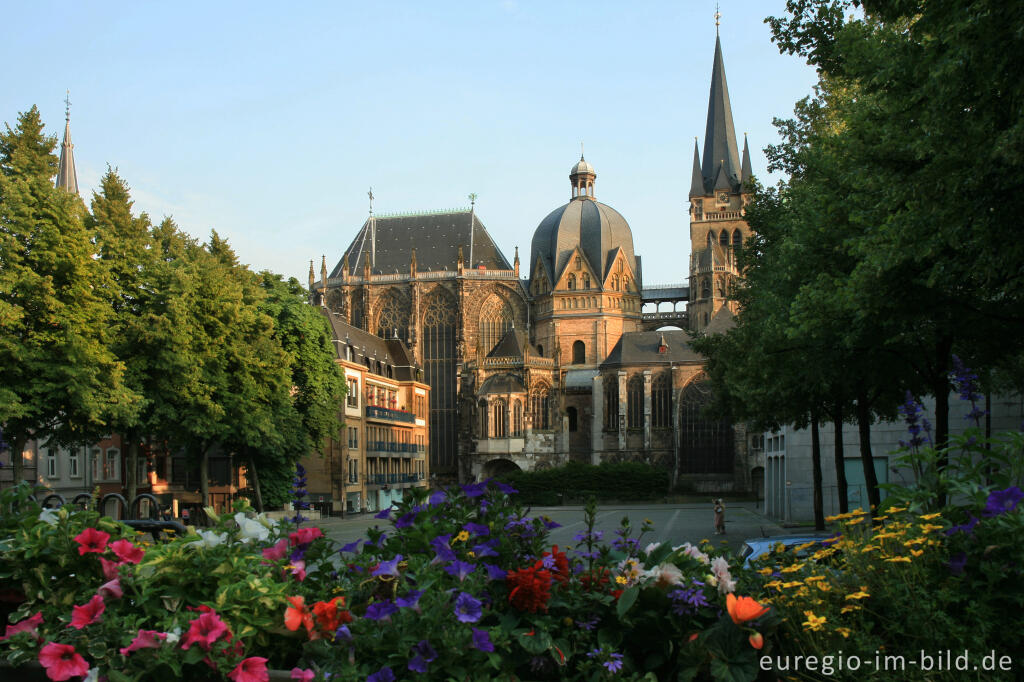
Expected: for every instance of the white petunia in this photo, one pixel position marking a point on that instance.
(209, 538)
(49, 516)
(251, 529)
(93, 675)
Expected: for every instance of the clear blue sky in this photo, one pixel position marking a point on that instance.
(269, 123)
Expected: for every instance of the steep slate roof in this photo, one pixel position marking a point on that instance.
(436, 236)
(502, 383)
(721, 166)
(596, 228)
(512, 346)
(367, 345)
(641, 348)
(722, 322)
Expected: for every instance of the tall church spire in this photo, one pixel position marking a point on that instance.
(67, 178)
(721, 158)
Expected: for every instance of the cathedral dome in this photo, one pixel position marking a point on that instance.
(598, 229)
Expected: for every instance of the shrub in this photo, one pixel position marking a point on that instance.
(578, 482)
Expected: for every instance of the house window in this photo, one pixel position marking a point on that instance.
(353, 471)
(353, 393)
(112, 465)
(499, 422)
(96, 459)
(737, 240)
(572, 282)
(353, 438)
(141, 470)
(51, 464)
(74, 463)
(586, 281)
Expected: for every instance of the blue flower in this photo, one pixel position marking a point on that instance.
(343, 633)
(424, 655)
(475, 489)
(485, 549)
(467, 608)
(460, 569)
(504, 487)
(442, 552)
(350, 547)
(476, 529)
(385, 674)
(966, 382)
(437, 497)
(1002, 501)
(686, 601)
(482, 640)
(410, 600)
(957, 563)
(550, 524)
(381, 610)
(383, 513)
(495, 572)
(964, 527)
(406, 520)
(387, 567)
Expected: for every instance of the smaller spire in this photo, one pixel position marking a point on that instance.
(312, 277)
(745, 171)
(67, 178)
(697, 184)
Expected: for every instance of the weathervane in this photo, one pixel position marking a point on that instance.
(67, 105)
(472, 199)
(718, 15)
(581, 150)
(370, 194)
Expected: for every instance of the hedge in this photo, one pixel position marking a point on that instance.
(576, 482)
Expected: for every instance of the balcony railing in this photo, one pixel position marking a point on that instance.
(402, 448)
(375, 412)
(382, 479)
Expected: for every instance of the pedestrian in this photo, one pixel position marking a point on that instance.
(719, 508)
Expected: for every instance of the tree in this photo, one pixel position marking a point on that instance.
(59, 379)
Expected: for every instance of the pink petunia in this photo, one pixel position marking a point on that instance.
(146, 639)
(88, 613)
(204, 631)
(252, 669)
(301, 675)
(304, 536)
(111, 588)
(62, 662)
(127, 552)
(111, 569)
(277, 552)
(92, 540)
(298, 569)
(30, 625)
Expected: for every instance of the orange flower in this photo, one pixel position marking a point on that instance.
(743, 609)
(331, 614)
(297, 615)
(756, 640)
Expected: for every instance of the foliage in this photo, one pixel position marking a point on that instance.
(606, 481)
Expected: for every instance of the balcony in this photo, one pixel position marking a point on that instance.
(379, 447)
(387, 414)
(392, 479)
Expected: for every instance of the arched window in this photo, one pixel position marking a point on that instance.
(615, 282)
(635, 402)
(625, 282)
(495, 321)
(611, 403)
(737, 240)
(723, 239)
(484, 433)
(539, 407)
(439, 318)
(499, 419)
(392, 316)
(586, 281)
(579, 353)
(579, 262)
(517, 418)
(661, 394)
(573, 416)
(705, 288)
(706, 445)
(571, 282)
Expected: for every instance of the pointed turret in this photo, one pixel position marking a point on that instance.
(697, 184)
(67, 178)
(312, 277)
(720, 152)
(745, 172)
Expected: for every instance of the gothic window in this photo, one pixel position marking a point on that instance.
(635, 402)
(499, 419)
(615, 282)
(705, 288)
(661, 394)
(705, 444)
(357, 312)
(586, 281)
(579, 262)
(483, 419)
(737, 240)
(439, 372)
(539, 407)
(611, 403)
(336, 301)
(625, 282)
(573, 416)
(723, 239)
(517, 418)
(392, 317)
(495, 321)
(571, 282)
(579, 353)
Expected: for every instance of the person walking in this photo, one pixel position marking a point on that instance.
(719, 509)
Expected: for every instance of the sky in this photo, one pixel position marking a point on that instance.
(269, 123)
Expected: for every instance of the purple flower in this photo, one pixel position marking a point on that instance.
(1002, 501)
(383, 513)
(467, 608)
(460, 569)
(475, 489)
(424, 655)
(588, 624)
(614, 662)
(485, 549)
(410, 600)
(964, 527)
(406, 520)
(387, 567)
(343, 633)
(437, 497)
(385, 674)
(504, 487)
(379, 542)
(549, 524)
(381, 610)
(686, 601)
(476, 529)
(957, 563)
(911, 411)
(495, 572)
(596, 536)
(966, 382)
(482, 640)
(350, 547)
(443, 553)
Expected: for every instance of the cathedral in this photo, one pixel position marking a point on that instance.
(532, 367)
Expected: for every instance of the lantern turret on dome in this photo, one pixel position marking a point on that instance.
(582, 178)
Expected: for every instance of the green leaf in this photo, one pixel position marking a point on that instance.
(627, 599)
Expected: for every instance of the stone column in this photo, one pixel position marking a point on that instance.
(596, 426)
(622, 410)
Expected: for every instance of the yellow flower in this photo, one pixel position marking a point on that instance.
(883, 536)
(854, 522)
(774, 583)
(471, 554)
(868, 548)
(767, 570)
(461, 537)
(917, 552)
(881, 518)
(845, 632)
(899, 559)
(893, 510)
(822, 553)
(929, 527)
(849, 609)
(824, 587)
(813, 578)
(915, 541)
(858, 595)
(806, 545)
(929, 517)
(813, 622)
(794, 583)
(621, 579)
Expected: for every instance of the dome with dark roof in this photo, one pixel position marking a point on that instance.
(598, 229)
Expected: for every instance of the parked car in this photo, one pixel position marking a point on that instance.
(757, 547)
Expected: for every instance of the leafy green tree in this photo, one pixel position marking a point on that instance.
(59, 379)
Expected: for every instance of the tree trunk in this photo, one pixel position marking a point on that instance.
(866, 458)
(131, 463)
(840, 457)
(819, 510)
(204, 475)
(255, 480)
(17, 462)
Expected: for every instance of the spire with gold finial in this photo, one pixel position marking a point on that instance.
(67, 178)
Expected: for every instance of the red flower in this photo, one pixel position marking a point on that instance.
(531, 588)
(252, 669)
(111, 588)
(62, 662)
(127, 552)
(92, 540)
(27, 625)
(297, 615)
(595, 580)
(304, 536)
(146, 639)
(561, 570)
(88, 613)
(205, 630)
(111, 569)
(277, 552)
(330, 615)
(756, 640)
